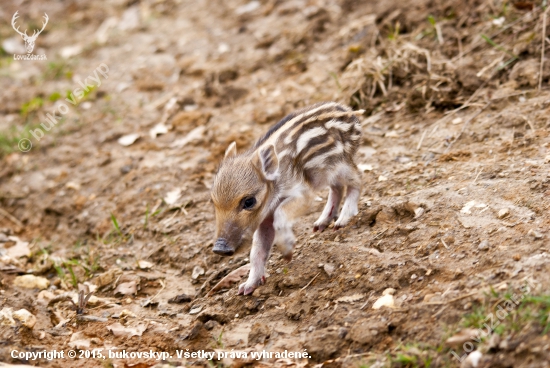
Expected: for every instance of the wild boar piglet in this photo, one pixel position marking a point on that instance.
(259, 192)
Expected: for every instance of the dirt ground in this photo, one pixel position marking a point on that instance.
(452, 232)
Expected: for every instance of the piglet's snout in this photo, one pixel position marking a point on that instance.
(223, 248)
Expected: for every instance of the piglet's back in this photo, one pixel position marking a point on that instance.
(319, 135)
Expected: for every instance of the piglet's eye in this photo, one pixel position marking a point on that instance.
(249, 203)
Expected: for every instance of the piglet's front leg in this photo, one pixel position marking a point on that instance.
(261, 247)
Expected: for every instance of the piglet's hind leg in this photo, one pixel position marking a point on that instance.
(261, 247)
(331, 208)
(349, 208)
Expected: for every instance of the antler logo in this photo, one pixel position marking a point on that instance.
(29, 40)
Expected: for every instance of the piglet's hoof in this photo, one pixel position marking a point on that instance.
(248, 287)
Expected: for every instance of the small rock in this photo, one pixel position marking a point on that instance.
(472, 361)
(534, 234)
(194, 331)
(125, 169)
(6, 317)
(108, 277)
(419, 212)
(31, 282)
(503, 213)
(197, 271)
(365, 331)
(178, 299)
(216, 314)
(126, 313)
(384, 301)
(26, 318)
(79, 341)
(516, 257)
(209, 325)
(196, 310)
(389, 291)
(126, 288)
(413, 276)
(128, 140)
(297, 310)
(484, 245)
(145, 265)
(382, 178)
(329, 269)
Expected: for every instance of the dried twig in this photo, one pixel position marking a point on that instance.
(309, 283)
(10, 217)
(477, 176)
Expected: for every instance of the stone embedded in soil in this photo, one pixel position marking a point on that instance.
(292, 281)
(126, 288)
(209, 325)
(108, 277)
(194, 330)
(79, 341)
(534, 234)
(119, 330)
(178, 299)
(197, 271)
(365, 331)
(213, 314)
(419, 212)
(31, 282)
(329, 269)
(384, 301)
(26, 318)
(195, 310)
(503, 213)
(297, 310)
(6, 317)
(322, 344)
(258, 334)
(472, 361)
(128, 140)
(484, 245)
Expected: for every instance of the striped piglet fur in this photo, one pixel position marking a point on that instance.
(261, 191)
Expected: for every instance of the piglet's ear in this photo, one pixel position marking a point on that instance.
(268, 163)
(231, 150)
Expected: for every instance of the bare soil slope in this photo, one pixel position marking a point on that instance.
(114, 197)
